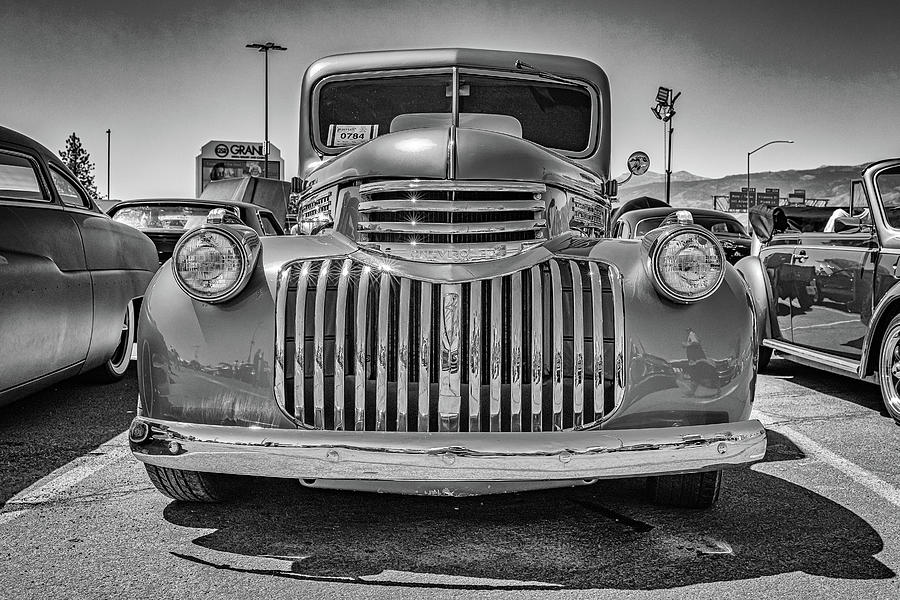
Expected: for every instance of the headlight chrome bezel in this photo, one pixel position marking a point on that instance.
(654, 243)
(245, 240)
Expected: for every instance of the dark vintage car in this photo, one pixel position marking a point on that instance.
(165, 220)
(636, 222)
(71, 278)
(829, 296)
(460, 325)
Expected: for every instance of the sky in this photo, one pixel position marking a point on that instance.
(167, 77)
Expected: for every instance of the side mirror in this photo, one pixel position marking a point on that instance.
(638, 164)
(766, 222)
(296, 185)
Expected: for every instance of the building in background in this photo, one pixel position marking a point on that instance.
(221, 159)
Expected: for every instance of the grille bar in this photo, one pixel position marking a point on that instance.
(447, 228)
(470, 356)
(457, 206)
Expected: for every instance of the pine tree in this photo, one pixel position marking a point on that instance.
(79, 162)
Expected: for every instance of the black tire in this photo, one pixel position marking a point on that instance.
(192, 486)
(889, 369)
(765, 355)
(116, 365)
(690, 490)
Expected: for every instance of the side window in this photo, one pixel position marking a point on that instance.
(19, 178)
(68, 192)
(268, 224)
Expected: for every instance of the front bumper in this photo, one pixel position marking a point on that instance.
(401, 456)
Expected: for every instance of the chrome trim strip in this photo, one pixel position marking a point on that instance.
(424, 356)
(449, 185)
(300, 342)
(475, 342)
(446, 228)
(537, 356)
(496, 358)
(404, 308)
(814, 358)
(618, 299)
(360, 374)
(281, 290)
(450, 340)
(597, 337)
(292, 453)
(578, 346)
(319, 348)
(452, 206)
(433, 256)
(339, 349)
(556, 358)
(381, 350)
(515, 355)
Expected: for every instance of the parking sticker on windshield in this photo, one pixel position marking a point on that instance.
(350, 135)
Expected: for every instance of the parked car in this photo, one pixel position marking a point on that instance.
(165, 220)
(830, 297)
(455, 327)
(71, 278)
(636, 222)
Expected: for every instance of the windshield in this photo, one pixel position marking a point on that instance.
(718, 226)
(168, 217)
(888, 184)
(552, 114)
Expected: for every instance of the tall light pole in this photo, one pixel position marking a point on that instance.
(108, 160)
(748, 168)
(264, 48)
(665, 111)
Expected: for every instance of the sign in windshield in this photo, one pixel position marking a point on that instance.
(552, 114)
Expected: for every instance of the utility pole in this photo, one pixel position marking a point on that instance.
(108, 162)
(265, 48)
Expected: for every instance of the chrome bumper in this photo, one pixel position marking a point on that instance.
(401, 456)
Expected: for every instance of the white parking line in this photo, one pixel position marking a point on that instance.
(848, 468)
(54, 486)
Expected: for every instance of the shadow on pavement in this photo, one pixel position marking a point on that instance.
(842, 387)
(46, 430)
(601, 536)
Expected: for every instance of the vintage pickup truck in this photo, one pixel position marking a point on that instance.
(460, 323)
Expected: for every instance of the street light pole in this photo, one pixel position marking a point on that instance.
(265, 48)
(748, 168)
(108, 161)
(665, 111)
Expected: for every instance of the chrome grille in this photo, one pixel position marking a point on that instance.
(368, 350)
(419, 219)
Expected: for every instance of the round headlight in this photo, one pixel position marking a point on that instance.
(688, 264)
(211, 264)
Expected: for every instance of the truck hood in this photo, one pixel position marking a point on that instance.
(452, 153)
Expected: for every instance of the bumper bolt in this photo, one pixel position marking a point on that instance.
(333, 456)
(449, 459)
(564, 457)
(174, 448)
(722, 448)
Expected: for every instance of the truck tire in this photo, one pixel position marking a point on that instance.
(191, 486)
(689, 490)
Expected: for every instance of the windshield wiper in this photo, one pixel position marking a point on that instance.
(524, 66)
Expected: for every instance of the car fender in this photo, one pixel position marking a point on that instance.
(884, 311)
(753, 273)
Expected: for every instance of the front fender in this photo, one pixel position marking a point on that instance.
(754, 274)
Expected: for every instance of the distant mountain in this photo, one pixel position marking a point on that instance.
(830, 182)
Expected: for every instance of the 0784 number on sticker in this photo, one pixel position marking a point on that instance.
(350, 135)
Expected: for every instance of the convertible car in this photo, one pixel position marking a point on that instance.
(827, 294)
(71, 278)
(460, 323)
(633, 222)
(165, 220)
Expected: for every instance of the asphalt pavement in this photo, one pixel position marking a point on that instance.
(816, 519)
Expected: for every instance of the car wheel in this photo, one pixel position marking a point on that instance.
(765, 355)
(889, 369)
(116, 365)
(689, 490)
(192, 486)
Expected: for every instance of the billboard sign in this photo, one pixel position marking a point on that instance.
(223, 159)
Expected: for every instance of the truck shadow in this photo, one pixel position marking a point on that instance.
(601, 536)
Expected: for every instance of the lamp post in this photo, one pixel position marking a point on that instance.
(265, 48)
(665, 111)
(748, 168)
(108, 195)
